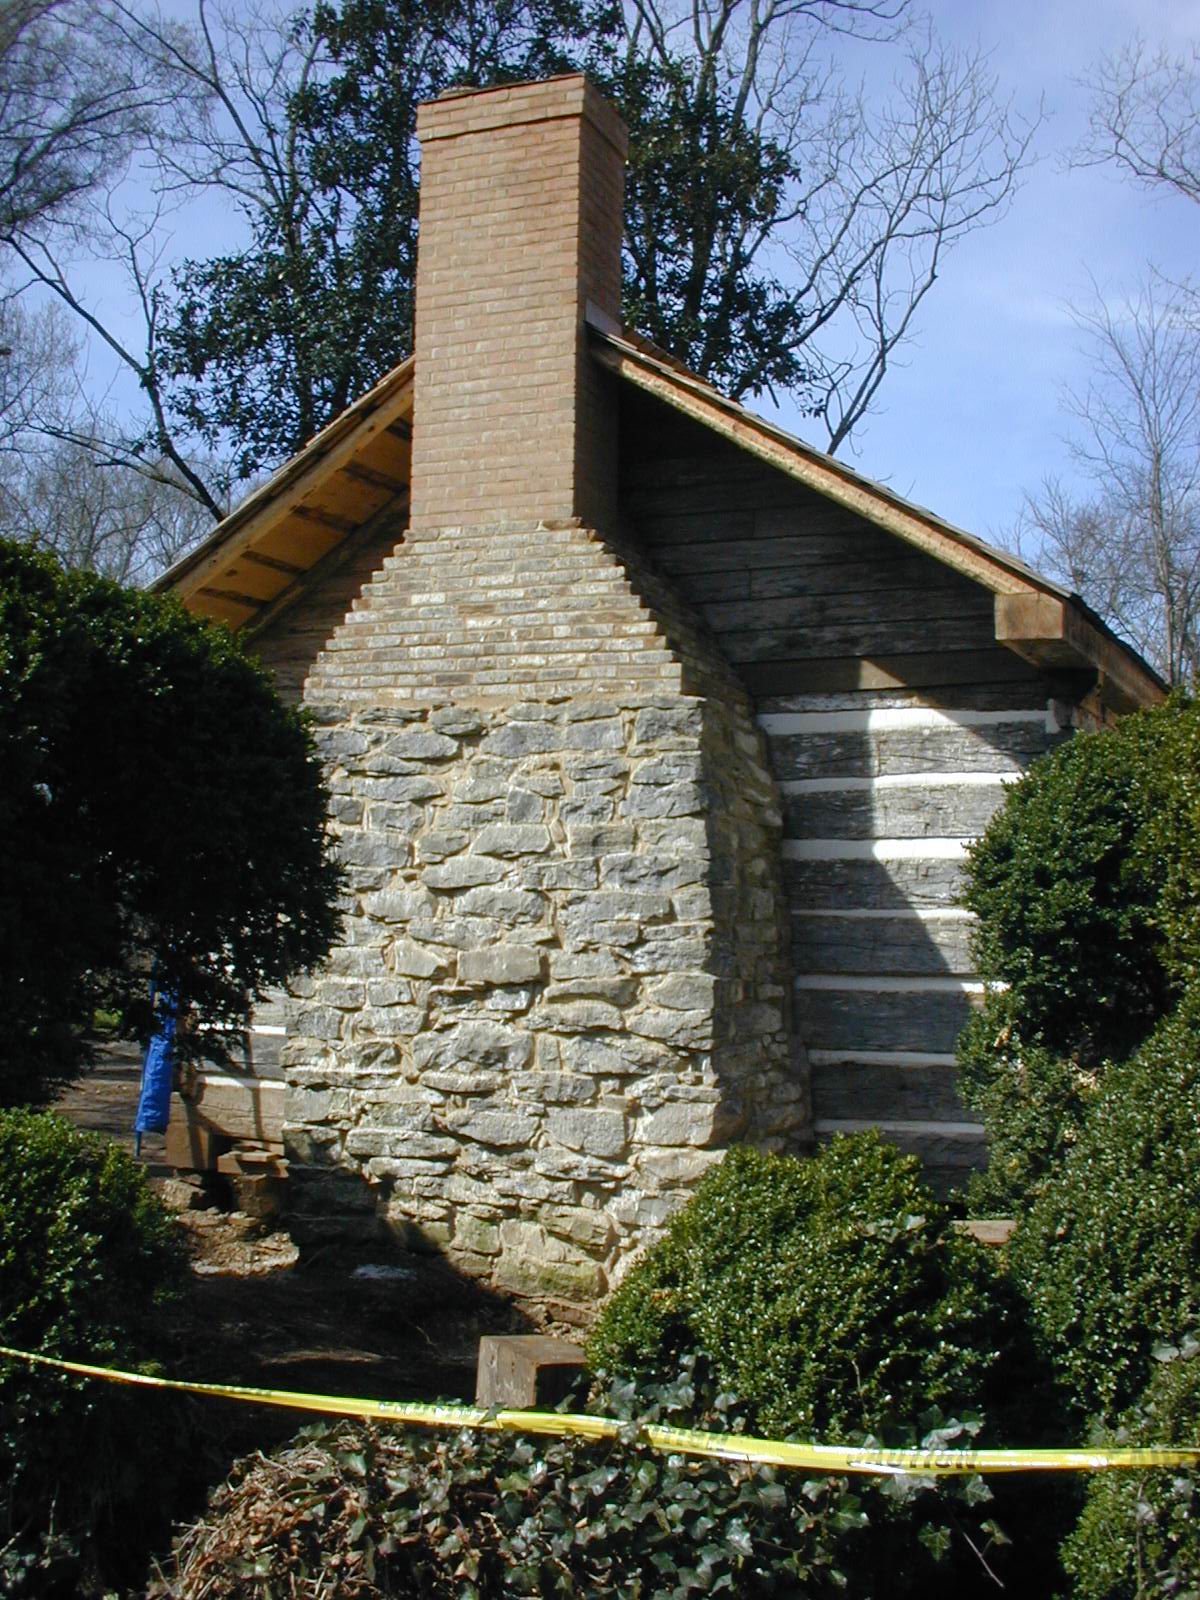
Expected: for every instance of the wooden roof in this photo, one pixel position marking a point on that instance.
(348, 479)
(353, 477)
(1041, 621)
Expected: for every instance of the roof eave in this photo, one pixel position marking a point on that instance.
(325, 453)
(1039, 620)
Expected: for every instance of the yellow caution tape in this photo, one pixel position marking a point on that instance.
(679, 1441)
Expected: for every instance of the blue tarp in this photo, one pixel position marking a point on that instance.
(154, 1106)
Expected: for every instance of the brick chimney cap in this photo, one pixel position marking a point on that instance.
(466, 110)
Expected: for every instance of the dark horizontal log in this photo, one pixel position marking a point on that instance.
(892, 571)
(994, 747)
(858, 1019)
(737, 547)
(904, 946)
(871, 612)
(968, 680)
(865, 1091)
(886, 638)
(948, 1159)
(844, 885)
(696, 493)
(942, 811)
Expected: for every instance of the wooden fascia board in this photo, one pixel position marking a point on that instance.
(283, 495)
(1052, 633)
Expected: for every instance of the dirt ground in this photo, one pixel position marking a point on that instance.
(396, 1327)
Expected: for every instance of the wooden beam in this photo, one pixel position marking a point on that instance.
(236, 597)
(324, 519)
(303, 476)
(1054, 635)
(373, 476)
(402, 430)
(328, 563)
(288, 568)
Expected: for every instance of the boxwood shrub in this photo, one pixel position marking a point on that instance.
(88, 1259)
(1086, 884)
(1067, 885)
(1139, 1535)
(830, 1294)
(1109, 1255)
(1031, 1100)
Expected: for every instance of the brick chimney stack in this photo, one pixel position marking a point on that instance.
(521, 216)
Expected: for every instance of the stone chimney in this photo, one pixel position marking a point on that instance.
(521, 215)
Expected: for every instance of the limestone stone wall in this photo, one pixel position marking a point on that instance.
(563, 986)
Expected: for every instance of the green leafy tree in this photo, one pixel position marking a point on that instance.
(767, 205)
(90, 1265)
(160, 809)
(268, 343)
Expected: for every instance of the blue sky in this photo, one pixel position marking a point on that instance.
(970, 418)
(973, 419)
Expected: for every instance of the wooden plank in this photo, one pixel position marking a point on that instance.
(855, 1089)
(300, 541)
(798, 535)
(238, 1107)
(708, 494)
(253, 580)
(190, 1145)
(389, 452)
(903, 945)
(348, 499)
(390, 483)
(871, 613)
(871, 753)
(842, 554)
(873, 885)
(847, 639)
(861, 1019)
(988, 679)
(888, 573)
(908, 811)
(258, 559)
(526, 1371)
(324, 519)
(234, 597)
(1051, 633)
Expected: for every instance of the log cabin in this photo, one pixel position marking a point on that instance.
(655, 740)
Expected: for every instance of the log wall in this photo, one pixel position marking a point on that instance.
(893, 720)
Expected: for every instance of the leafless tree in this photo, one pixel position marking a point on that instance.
(109, 518)
(1145, 116)
(1132, 548)
(64, 482)
(38, 351)
(148, 445)
(879, 193)
(71, 108)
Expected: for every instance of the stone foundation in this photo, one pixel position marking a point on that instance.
(562, 991)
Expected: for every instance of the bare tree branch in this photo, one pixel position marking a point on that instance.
(1133, 548)
(1145, 116)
